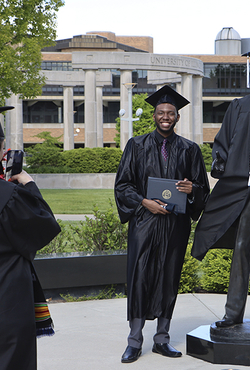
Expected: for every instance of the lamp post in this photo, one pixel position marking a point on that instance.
(247, 55)
(130, 119)
(129, 86)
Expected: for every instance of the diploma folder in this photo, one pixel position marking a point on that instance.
(165, 190)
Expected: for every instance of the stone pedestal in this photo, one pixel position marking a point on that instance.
(221, 345)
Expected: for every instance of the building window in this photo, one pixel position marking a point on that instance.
(78, 112)
(224, 79)
(42, 112)
(110, 111)
(57, 66)
(138, 76)
(58, 90)
(213, 112)
(52, 90)
(78, 90)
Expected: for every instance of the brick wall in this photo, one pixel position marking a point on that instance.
(108, 134)
(209, 134)
(139, 42)
(29, 134)
(57, 57)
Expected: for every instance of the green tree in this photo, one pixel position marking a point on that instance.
(46, 153)
(26, 26)
(145, 123)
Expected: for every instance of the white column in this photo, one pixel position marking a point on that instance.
(178, 127)
(68, 118)
(90, 109)
(197, 109)
(186, 113)
(14, 124)
(99, 119)
(126, 77)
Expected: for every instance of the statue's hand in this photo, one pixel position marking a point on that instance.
(218, 166)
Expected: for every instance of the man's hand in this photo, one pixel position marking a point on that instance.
(185, 186)
(154, 206)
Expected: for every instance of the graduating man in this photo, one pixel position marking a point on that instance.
(225, 221)
(157, 237)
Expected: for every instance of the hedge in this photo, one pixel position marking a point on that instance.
(49, 157)
(82, 160)
(96, 160)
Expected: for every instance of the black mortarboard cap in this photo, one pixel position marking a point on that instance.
(167, 95)
(3, 109)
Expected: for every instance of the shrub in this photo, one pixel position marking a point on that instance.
(103, 232)
(109, 158)
(95, 160)
(189, 276)
(206, 151)
(215, 270)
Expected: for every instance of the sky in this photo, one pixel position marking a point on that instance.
(177, 26)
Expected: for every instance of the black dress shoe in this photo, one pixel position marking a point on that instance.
(225, 322)
(166, 349)
(131, 354)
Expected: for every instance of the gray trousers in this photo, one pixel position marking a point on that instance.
(135, 338)
(240, 269)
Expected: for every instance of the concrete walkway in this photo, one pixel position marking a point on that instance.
(92, 335)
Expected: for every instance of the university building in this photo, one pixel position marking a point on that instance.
(89, 78)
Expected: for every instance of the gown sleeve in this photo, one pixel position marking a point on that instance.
(223, 139)
(27, 221)
(127, 197)
(200, 182)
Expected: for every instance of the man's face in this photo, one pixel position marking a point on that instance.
(165, 117)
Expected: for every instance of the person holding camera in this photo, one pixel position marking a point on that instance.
(26, 225)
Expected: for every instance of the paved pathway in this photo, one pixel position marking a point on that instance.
(91, 335)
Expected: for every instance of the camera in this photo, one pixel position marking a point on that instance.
(14, 163)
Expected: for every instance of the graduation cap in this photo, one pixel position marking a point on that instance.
(3, 109)
(167, 95)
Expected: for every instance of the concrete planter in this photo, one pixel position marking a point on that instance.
(73, 270)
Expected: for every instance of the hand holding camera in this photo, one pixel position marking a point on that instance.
(14, 165)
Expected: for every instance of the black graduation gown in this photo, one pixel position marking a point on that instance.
(26, 225)
(156, 243)
(217, 227)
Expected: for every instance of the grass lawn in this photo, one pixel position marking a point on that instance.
(78, 201)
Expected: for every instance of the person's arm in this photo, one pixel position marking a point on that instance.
(26, 219)
(197, 187)
(128, 197)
